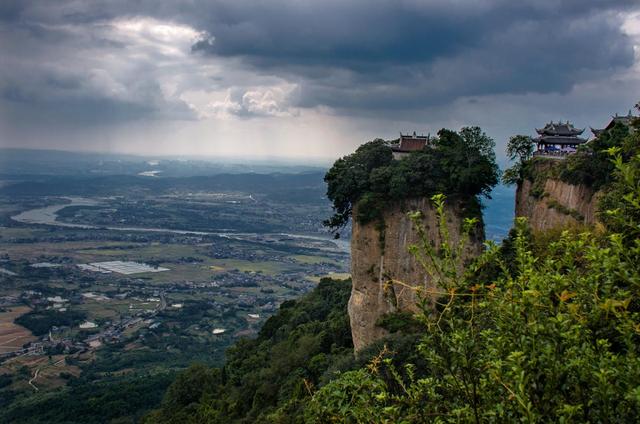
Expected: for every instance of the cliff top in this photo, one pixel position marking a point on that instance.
(459, 164)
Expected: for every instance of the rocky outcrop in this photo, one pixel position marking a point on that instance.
(384, 274)
(555, 204)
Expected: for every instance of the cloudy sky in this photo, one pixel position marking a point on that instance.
(305, 79)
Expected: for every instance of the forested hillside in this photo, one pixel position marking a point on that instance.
(544, 328)
(270, 378)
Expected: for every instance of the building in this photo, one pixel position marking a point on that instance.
(558, 139)
(624, 120)
(409, 143)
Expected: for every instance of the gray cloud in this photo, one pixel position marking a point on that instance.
(363, 55)
(80, 63)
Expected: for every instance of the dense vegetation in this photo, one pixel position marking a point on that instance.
(544, 328)
(40, 321)
(268, 378)
(591, 165)
(459, 164)
(121, 399)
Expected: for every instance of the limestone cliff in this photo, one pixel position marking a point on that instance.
(373, 267)
(550, 203)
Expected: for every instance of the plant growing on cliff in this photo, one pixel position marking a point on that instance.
(520, 149)
(552, 344)
(459, 164)
(552, 337)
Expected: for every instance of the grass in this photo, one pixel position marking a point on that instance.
(19, 233)
(554, 204)
(334, 275)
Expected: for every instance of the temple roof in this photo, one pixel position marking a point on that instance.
(559, 129)
(623, 119)
(410, 143)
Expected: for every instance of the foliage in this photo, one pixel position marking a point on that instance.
(459, 164)
(40, 321)
(399, 321)
(124, 399)
(268, 379)
(520, 149)
(551, 337)
(554, 204)
(591, 165)
(621, 199)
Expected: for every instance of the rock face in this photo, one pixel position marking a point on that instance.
(559, 205)
(373, 268)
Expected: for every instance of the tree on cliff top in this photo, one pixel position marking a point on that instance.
(520, 149)
(550, 336)
(460, 165)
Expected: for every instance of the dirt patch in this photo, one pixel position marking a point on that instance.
(13, 336)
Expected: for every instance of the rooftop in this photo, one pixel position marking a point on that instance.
(559, 128)
(623, 119)
(410, 143)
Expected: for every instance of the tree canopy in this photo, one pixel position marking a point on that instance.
(519, 149)
(459, 164)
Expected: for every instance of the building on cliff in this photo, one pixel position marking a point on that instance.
(409, 143)
(558, 139)
(621, 119)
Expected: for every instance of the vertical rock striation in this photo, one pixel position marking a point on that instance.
(374, 267)
(558, 205)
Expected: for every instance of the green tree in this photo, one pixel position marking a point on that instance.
(519, 149)
(552, 336)
(459, 164)
(348, 179)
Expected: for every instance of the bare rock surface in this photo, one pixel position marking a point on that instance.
(385, 279)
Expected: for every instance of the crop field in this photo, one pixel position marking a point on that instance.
(147, 322)
(13, 336)
(51, 372)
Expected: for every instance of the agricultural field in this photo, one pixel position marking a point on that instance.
(83, 299)
(13, 336)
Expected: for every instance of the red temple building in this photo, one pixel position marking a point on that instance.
(409, 143)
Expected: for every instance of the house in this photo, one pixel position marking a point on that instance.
(409, 143)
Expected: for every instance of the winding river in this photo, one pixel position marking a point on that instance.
(49, 216)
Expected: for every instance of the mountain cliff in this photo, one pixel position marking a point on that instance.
(386, 278)
(375, 190)
(548, 202)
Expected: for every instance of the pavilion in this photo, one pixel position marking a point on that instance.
(558, 139)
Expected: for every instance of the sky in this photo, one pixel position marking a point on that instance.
(305, 80)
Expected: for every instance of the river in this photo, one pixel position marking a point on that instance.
(49, 216)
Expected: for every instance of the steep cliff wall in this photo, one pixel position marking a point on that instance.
(372, 267)
(550, 203)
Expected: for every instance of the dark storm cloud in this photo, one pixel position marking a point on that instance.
(359, 56)
(390, 55)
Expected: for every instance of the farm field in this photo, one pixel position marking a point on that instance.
(132, 323)
(13, 336)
